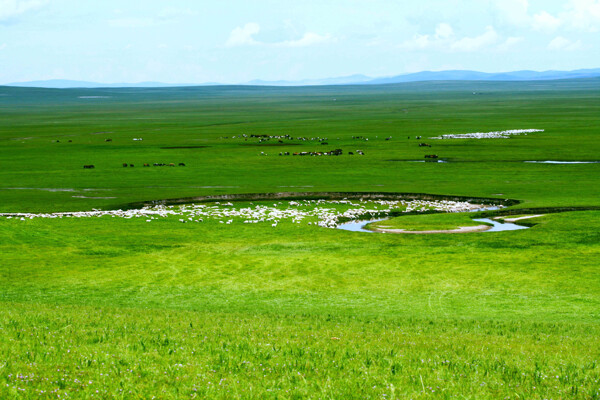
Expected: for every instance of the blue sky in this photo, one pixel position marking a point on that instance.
(232, 41)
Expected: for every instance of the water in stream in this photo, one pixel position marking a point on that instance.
(359, 226)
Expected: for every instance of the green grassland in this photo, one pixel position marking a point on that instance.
(122, 308)
(193, 117)
(426, 222)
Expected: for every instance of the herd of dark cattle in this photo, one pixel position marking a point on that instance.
(279, 138)
(336, 152)
(126, 165)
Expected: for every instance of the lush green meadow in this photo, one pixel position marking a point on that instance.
(169, 120)
(124, 308)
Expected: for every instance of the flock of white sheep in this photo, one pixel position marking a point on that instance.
(325, 213)
(489, 135)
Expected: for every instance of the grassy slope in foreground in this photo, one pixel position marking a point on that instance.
(172, 310)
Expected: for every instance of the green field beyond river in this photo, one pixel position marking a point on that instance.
(179, 242)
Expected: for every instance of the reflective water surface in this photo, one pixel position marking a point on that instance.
(359, 226)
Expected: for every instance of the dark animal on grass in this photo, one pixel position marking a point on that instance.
(181, 164)
(131, 165)
(431, 156)
(124, 165)
(89, 166)
(424, 145)
(146, 165)
(108, 140)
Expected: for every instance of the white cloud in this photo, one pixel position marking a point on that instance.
(545, 22)
(445, 40)
(308, 39)
(583, 15)
(469, 44)
(244, 36)
(580, 15)
(13, 8)
(442, 37)
(418, 42)
(241, 36)
(560, 43)
(510, 42)
(443, 31)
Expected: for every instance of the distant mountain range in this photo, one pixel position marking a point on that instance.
(69, 84)
(485, 76)
(457, 75)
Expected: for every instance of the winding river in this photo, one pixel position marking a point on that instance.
(359, 226)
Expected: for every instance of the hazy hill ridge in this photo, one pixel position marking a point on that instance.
(452, 75)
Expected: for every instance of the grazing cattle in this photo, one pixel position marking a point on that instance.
(146, 165)
(131, 165)
(181, 164)
(360, 152)
(124, 165)
(431, 156)
(108, 140)
(70, 141)
(424, 145)
(350, 153)
(89, 166)
(287, 153)
(171, 165)
(324, 143)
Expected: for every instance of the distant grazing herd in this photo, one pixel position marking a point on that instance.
(280, 141)
(125, 165)
(336, 152)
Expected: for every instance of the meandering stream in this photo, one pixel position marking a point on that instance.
(359, 226)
